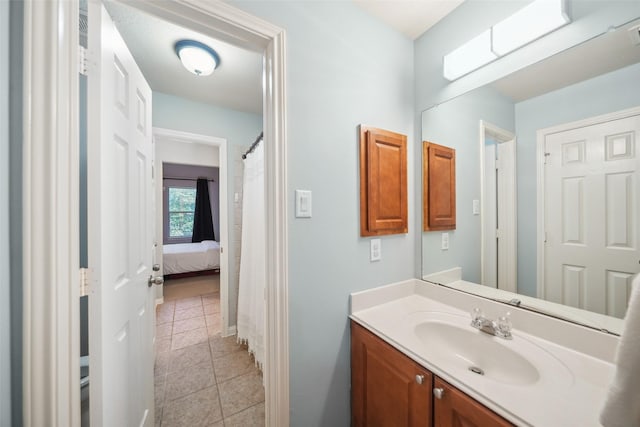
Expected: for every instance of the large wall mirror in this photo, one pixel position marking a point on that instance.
(548, 192)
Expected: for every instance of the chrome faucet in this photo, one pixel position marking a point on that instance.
(500, 328)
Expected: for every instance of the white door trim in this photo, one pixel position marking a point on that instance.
(51, 214)
(507, 207)
(170, 135)
(51, 262)
(541, 136)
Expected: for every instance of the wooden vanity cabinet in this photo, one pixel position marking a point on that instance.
(388, 389)
(454, 408)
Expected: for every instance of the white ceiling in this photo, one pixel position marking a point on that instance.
(235, 84)
(410, 17)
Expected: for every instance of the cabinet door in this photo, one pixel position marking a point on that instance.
(456, 409)
(439, 187)
(383, 182)
(387, 388)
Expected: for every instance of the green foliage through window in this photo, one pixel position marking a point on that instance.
(182, 204)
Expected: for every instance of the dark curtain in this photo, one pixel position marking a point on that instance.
(202, 222)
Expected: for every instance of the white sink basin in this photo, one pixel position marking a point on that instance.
(478, 352)
(449, 341)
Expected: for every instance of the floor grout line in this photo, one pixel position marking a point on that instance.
(170, 351)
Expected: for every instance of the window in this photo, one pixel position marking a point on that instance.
(182, 205)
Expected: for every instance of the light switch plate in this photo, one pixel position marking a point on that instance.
(376, 250)
(303, 204)
(476, 207)
(445, 241)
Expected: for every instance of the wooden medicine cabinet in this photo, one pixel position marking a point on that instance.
(438, 187)
(383, 182)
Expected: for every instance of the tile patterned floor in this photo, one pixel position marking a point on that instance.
(202, 379)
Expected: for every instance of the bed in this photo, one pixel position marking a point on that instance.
(183, 258)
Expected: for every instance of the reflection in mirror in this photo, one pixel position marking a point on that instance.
(548, 193)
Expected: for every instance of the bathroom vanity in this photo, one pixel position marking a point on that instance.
(392, 389)
(417, 361)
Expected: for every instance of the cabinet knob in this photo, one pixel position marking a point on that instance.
(419, 379)
(438, 393)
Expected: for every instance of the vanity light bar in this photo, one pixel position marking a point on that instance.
(528, 24)
(472, 55)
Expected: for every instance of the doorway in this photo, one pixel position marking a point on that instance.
(186, 148)
(498, 207)
(53, 140)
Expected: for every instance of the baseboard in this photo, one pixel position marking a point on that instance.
(231, 330)
(159, 301)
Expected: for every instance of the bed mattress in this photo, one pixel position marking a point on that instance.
(187, 257)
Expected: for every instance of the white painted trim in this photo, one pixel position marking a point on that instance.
(51, 223)
(541, 136)
(51, 346)
(170, 135)
(186, 137)
(540, 224)
(508, 261)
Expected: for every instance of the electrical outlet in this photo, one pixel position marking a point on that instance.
(376, 250)
(445, 241)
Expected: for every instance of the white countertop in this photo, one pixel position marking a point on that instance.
(453, 279)
(572, 396)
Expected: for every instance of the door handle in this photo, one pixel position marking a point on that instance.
(438, 393)
(419, 379)
(158, 280)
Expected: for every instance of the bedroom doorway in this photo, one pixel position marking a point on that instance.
(179, 149)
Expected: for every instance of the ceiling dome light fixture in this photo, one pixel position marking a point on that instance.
(197, 57)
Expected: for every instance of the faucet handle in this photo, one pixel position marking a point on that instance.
(504, 325)
(476, 316)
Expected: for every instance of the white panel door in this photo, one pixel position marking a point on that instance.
(591, 215)
(120, 230)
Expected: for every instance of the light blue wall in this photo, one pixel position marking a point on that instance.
(456, 124)
(5, 325)
(16, 28)
(344, 68)
(614, 91)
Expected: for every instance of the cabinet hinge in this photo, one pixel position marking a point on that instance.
(498, 233)
(84, 282)
(82, 61)
(545, 157)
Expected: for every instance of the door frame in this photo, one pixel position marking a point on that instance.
(51, 339)
(169, 136)
(541, 136)
(507, 206)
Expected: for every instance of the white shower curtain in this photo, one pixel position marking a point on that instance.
(251, 302)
